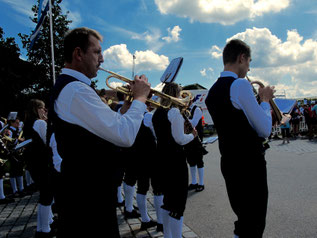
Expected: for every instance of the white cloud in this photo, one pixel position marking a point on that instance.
(23, 7)
(151, 37)
(119, 57)
(226, 12)
(72, 15)
(207, 73)
(173, 35)
(269, 51)
(215, 52)
(289, 65)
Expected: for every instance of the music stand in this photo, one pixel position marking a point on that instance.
(171, 71)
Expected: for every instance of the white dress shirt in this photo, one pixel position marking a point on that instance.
(197, 115)
(177, 125)
(40, 127)
(57, 160)
(79, 104)
(242, 98)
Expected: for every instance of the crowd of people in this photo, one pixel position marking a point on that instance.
(130, 145)
(79, 136)
(302, 123)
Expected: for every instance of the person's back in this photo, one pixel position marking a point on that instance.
(235, 134)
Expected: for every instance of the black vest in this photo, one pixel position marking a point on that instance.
(37, 155)
(163, 131)
(81, 150)
(235, 134)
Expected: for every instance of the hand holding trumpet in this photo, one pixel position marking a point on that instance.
(140, 88)
(266, 93)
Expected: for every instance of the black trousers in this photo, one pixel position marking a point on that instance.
(247, 190)
(89, 214)
(175, 186)
(194, 153)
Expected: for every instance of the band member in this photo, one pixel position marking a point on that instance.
(241, 124)
(143, 172)
(86, 129)
(16, 161)
(194, 151)
(38, 158)
(3, 159)
(169, 129)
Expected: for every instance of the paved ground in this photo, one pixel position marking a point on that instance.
(18, 219)
(292, 180)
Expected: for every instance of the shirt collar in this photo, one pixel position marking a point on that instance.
(228, 74)
(76, 74)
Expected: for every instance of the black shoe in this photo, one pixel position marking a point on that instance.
(146, 225)
(131, 215)
(54, 224)
(22, 194)
(39, 234)
(192, 186)
(6, 200)
(120, 204)
(159, 227)
(200, 188)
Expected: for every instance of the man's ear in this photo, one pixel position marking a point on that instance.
(77, 54)
(241, 58)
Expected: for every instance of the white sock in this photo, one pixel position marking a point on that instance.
(1, 190)
(13, 185)
(20, 183)
(158, 202)
(193, 174)
(141, 201)
(166, 224)
(51, 216)
(39, 219)
(44, 218)
(28, 178)
(201, 175)
(129, 192)
(119, 194)
(176, 227)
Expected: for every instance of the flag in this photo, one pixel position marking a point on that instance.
(42, 12)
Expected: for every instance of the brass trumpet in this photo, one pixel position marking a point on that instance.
(280, 117)
(182, 104)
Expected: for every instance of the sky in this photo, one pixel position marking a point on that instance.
(282, 35)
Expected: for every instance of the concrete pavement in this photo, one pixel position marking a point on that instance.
(208, 213)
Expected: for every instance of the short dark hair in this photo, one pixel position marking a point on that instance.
(78, 37)
(233, 49)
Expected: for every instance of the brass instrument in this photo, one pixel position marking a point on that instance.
(280, 117)
(182, 104)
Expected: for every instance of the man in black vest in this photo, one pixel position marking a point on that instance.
(241, 124)
(87, 130)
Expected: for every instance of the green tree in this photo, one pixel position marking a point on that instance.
(17, 77)
(40, 54)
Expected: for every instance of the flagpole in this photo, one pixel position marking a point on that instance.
(52, 40)
(133, 65)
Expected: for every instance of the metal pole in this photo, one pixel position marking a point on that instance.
(52, 41)
(133, 65)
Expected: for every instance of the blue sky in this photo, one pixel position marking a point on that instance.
(282, 35)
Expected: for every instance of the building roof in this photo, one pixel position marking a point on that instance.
(195, 86)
